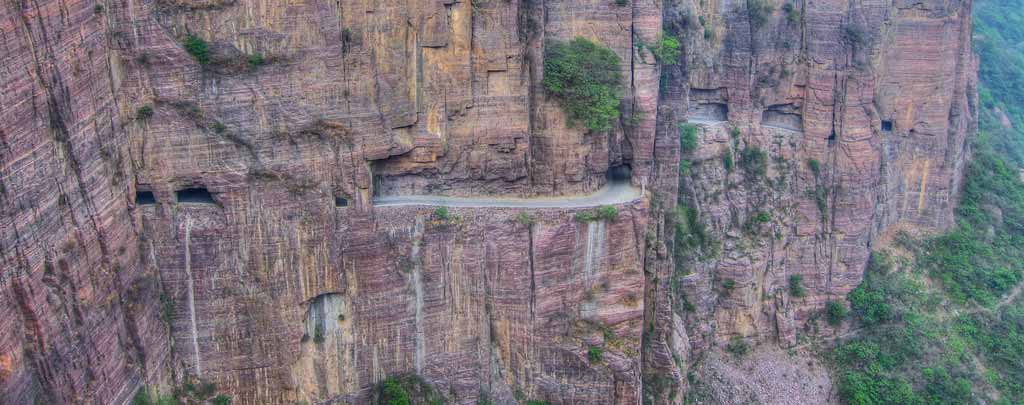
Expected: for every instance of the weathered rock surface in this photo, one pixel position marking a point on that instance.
(290, 286)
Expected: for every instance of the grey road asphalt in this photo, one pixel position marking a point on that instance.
(616, 192)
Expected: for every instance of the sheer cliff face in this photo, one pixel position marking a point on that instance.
(291, 286)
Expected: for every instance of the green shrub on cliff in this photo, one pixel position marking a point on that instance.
(796, 287)
(392, 393)
(221, 400)
(754, 161)
(667, 50)
(608, 213)
(595, 354)
(835, 313)
(144, 112)
(442, 213)
(198, 48)
(586, 79)
(687, 138)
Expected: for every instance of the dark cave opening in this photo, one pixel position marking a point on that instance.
(887, 125)
(144, 198)
(619, 173)
(340, 202)
(195, 195)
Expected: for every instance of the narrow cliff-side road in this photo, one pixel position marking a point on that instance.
(705, 122)
(616, 192)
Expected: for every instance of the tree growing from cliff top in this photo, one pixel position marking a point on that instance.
(586, 78)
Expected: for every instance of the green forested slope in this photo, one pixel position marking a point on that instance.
(940, 320)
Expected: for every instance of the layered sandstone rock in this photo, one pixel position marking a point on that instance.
(291, 286)
(863, 112)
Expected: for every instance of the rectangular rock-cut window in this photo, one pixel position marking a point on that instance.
(340, 202)
(887, 125)
(144, 198)
(195, 195)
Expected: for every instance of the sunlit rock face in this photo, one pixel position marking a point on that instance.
(163, 218)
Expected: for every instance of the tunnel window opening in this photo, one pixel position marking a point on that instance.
(887, 125)
(831, 138)
(195, 195)
(709, 111)
(144, 198)
(619, 173)
(340, 202)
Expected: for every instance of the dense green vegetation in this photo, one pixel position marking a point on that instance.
(191, 391)
(198, 48)
(942, 322)
(256, 59)
(144, 112)
(595, 354)
(587, 80)
(796, 287)
(754, 162)
(442, 213)
(603, 213)
(999, 42)
(406, 390)
(667, 50)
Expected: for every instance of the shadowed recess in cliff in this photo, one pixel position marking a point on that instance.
(195, 195)
(709, 112)
(785, 117)
(324, 315)
(144, 198)
(620, 173)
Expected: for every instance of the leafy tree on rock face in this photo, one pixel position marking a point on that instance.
(667, 50)
(587, 79)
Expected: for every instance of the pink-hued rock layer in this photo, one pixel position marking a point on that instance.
(278, 295)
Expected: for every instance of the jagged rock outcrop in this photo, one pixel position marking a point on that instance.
(284, 283)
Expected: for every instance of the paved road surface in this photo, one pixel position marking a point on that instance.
(713, 123)
(705, 123)
(616, 192)
(781, 128)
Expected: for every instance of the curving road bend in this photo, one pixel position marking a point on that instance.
(615, 192)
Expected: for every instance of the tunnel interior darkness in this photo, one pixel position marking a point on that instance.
(886, 125)
(340, 202)
(620, 173)
(144, 198)
(195, 195)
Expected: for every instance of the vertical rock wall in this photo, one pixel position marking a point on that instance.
(862, 111)
(79, 314)
(278, 294)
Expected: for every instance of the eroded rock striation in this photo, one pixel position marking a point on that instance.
(187, 188)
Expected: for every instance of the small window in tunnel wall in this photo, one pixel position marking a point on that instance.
(887, 125)
(195, 195)
(144, 198)
(340, 202)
